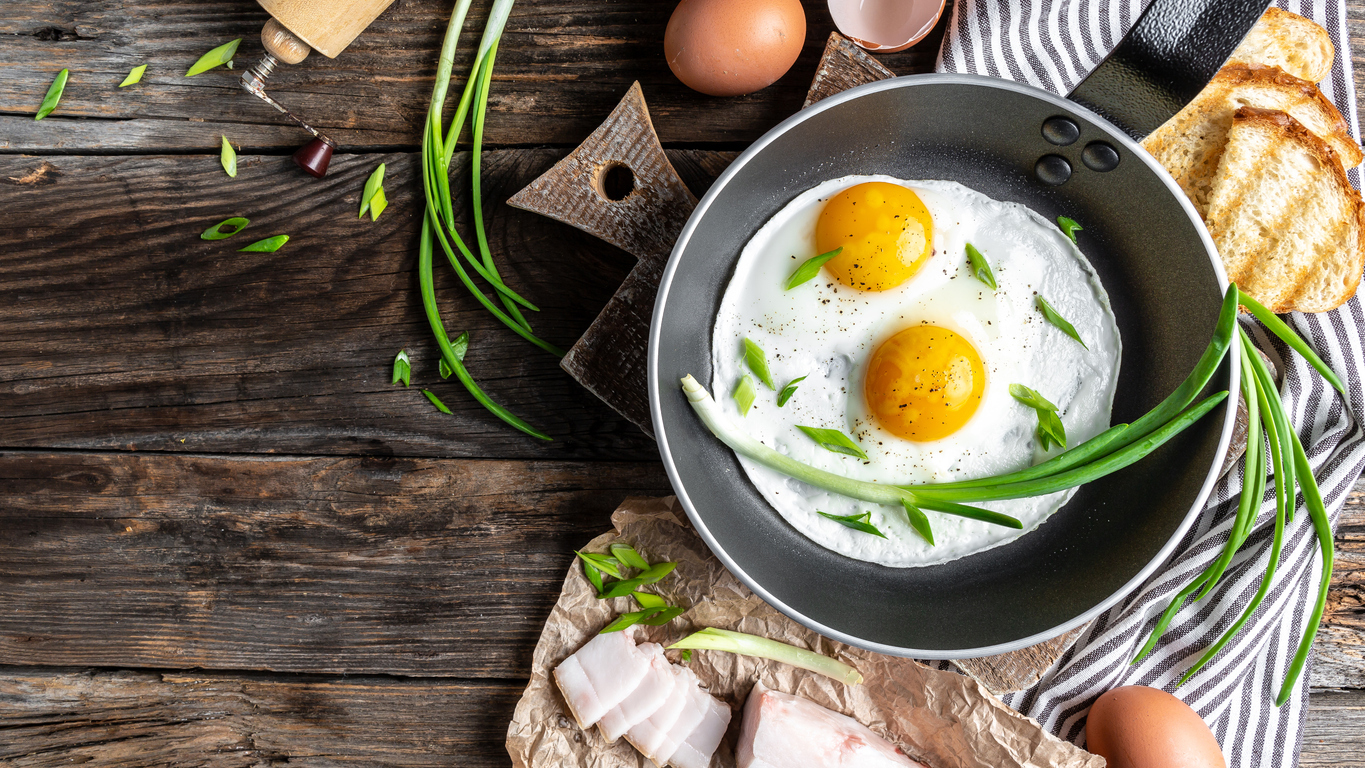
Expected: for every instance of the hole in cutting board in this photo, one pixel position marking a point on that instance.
(615, 182)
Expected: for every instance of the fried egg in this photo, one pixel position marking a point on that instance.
(904, 350)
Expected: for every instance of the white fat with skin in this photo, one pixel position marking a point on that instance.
(828, 332)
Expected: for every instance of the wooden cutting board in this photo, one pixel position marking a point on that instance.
(619, 186)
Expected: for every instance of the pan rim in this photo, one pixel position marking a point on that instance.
(661, 432)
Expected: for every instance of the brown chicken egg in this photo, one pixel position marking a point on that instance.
(733, 47)
(1140, 727)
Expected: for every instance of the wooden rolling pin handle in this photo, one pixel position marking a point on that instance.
(283, 44)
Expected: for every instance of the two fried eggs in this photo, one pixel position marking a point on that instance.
(907, 352)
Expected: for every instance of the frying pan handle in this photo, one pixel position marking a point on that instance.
(1170, 54)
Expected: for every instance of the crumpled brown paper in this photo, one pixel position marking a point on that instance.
(943, 719)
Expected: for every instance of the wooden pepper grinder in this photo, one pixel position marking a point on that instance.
(298, 27)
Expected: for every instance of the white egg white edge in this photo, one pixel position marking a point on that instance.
(660, 427)
(955, 537)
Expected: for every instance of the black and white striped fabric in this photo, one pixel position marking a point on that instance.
(1053, 44)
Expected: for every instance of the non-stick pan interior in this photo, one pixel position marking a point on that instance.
(1155, 264)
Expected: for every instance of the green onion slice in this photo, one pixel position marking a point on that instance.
(712, 639)
(377, 204)
(594, 577)
(649, 600)
(810, 268)
(268, 245)
(214, 58)
(402, 368)
(229, 158)
(663, 617)
(980, 267)
(758, 363)
(215, 232)
(920, 521)
(54, 95)
(686, 656)
(436, 401)
(1050, 431)
(856, 522)
(788, 391)
(1059, 321)
(603, 563)
(834, 440)
(627, 555)
(744, 394)
(1069, 227)
(372, 187)
(650, 576)
(1031, 398)
(134, 77)
(444, 369)
(629, 620)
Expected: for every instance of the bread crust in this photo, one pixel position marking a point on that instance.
(1298, 45)
(1234, 75)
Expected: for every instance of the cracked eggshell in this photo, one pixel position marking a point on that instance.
(733, 47)
(885, 26)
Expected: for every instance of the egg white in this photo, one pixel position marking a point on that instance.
(828, 332)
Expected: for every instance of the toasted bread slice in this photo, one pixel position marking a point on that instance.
(1288, 41)
(1283, 215)
(1190, 144)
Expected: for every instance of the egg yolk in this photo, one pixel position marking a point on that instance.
(924, 383)
(885, 231)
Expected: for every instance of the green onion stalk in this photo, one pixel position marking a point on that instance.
(438, 224)
(1110, 451)
(1269, 433)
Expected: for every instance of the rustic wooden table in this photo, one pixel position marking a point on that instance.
(225, 538)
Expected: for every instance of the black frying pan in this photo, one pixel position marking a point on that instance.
(1057, 156)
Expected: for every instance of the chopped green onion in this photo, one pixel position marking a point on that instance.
(54, 95)
(372, 187)
(1069, 227)
(214, 58)
(856, 522)
(788, 391)
(1278, 327)
(834, 441)
(712, 639)
(1031, 398)
(810, 268)
(377, 204)
(627, 555)
(268, 245)
(603, 563)
(594, 577)
(744, 394)
(920, 521)
(980, 267)
(653, 574)
(629, 620)
(686, 656)
(663, 617)
(228, 156)
(402, 368)
(1059, 321)
(444, 369)
(436, 401)
(648, 600)
(134, 77)
(216, 232)
(757, 362)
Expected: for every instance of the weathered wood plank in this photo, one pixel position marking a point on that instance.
(147, 719)
(1339, 661)
(57, 717)
(120, 328)
(360, 565)
(376, 565)
(561, 68)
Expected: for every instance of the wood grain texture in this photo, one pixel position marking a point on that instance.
(325, 565)
(121, 329)
(561, 68)
(60, 717)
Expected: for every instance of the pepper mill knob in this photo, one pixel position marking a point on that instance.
(283, 44)
(314, 156)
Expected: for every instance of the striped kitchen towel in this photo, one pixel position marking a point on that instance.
(1053, 44)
